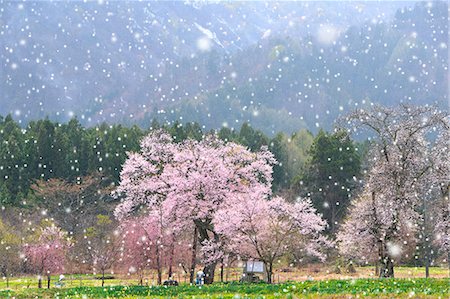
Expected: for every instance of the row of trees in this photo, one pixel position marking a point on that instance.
(81, 206)
(214, 199)
(45, 249)
(224, 192)
(46, 150)
(220, 193)
(41, 251)
(58, 157)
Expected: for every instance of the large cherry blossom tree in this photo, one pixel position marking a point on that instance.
(191, 181)
(399, 168)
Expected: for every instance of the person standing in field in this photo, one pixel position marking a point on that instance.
(200, 278)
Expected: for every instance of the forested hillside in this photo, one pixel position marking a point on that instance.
(278, 66)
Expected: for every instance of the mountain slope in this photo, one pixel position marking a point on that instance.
(278, 65)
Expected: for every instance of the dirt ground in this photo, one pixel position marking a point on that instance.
(323, 272)
(310, 272)
(318, 272)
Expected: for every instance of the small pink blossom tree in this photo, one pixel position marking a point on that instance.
(262, 229)
(140, 246)
(47, 256)
(148, 243)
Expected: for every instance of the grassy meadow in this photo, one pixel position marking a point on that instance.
(311, 282)
(350, 288)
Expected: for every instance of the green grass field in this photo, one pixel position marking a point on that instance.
(308, 282)
(351, 288)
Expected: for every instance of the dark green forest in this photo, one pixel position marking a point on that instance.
(46, 154)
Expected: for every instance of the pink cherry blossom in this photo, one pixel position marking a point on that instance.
(48, 255)
(265, 230)
(191, 181)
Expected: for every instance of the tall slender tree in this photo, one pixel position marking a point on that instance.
(334, 168)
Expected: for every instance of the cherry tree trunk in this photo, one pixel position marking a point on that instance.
(387, 267)
(5, 276)
(380, 257)
(48, 281)
(103, 278)
(386, 263)
(445, 197)
(40, 282)
(172, 252)
(448, 261)
(141, 277)
(269, 272)
(159, 273)
(425, 232)
(194, 256)
(158, 264)
(209, 269)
